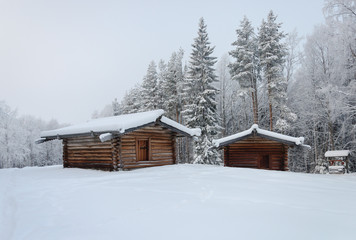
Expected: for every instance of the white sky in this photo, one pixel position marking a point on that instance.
(64, 59)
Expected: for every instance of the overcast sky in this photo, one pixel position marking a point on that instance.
(64, 59)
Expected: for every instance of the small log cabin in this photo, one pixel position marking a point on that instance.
(257, 148)
(338, 161)
(128, 141)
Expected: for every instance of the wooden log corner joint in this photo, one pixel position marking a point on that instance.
(121, 142)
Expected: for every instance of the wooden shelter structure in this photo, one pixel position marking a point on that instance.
(121, 142)
(257, 148)
(338, 161)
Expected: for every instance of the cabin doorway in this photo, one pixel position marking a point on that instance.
(142, 153)
(264, 162)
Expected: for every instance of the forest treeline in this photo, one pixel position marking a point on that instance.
(266, 78)
(17, 140)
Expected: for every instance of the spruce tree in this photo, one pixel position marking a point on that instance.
(201, 108)
(272, 53)
(171, 86)
(149, 88)
(245, 68)
(162, 75)
(116, 107)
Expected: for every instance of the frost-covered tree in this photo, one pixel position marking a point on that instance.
(116, 107)
(234, 110)
(201, 106)
(272, 52)
(324, 93)
(162, 76)
(132, 102)
(293, 56)
(171, 86)
(245, 67)
(17, 141)
(149, 89)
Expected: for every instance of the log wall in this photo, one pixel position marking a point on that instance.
(90, 152)
(161, 147)
(249, 153)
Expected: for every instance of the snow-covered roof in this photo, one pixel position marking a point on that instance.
(259, 132)
(120, 125)
(338, 153)
(191, 131)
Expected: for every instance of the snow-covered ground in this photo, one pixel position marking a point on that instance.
(175, 202)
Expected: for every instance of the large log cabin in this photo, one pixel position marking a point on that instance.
(257, 148)
(128, 141)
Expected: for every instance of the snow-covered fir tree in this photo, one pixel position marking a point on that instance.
(272, 52)
(116, 107)
(131, 102)
(245, 68)
(171, 86)
(149, 90)
(162, 75)
(201, 108)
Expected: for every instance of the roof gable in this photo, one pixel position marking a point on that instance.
(255, 130)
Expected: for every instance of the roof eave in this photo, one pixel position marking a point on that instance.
(223, 144)
(185, 134)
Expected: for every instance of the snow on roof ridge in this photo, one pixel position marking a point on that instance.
(255, 127)
(118, 123)
(337, 153)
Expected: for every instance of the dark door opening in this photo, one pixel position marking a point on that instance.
(264, 162)
(142, 150)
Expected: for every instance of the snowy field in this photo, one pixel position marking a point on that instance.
(175, 202)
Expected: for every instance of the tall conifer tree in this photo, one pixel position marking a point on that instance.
(272, 53)
(201, 108)
(245, 68)
(149, 88)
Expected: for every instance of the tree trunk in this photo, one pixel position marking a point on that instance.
(270, 116)
(255, 107)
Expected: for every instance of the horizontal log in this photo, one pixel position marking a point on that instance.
(89, 148)
(89, 162)
(128, 151)
(90, 155)
(145, 165)
(127, 155)
(88, 159)
(158, 151)
(157, 146)
(87, 151)
(162, 159)
(133, 146)
(92, 166)
(162, 154)
(254, 165)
